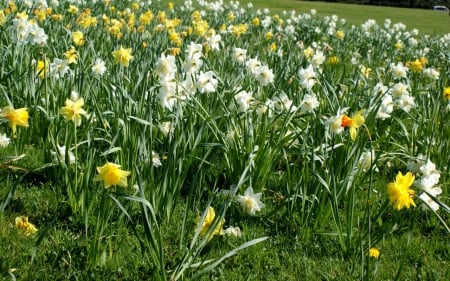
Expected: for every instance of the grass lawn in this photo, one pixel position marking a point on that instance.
(426, 21)
(156, 142)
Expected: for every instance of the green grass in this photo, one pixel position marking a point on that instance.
(426, 21)
(279, 132)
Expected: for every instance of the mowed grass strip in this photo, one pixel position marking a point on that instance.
(426, 21)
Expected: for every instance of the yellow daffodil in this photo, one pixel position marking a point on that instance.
(122, 56)
(400, 195)
(78, 38)
(71, 55)
(354, 123)
(374, 253)
(72, 9)
(16, 117)
(73, 110)
(340, 34)
(416, 66)
(42, 68)
(22, 223)
(207, 223)
(111, 174)
(446, 93)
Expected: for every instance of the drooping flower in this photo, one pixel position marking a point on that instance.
(250, 201)
(73, 110)
(354, 123)
(374, 253)
(400, 195)
(16, 117)
(208, 222)
(233, 231)
(122, 56)
(111, 174)
(22, 223)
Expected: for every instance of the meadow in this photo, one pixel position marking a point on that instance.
(221, 141)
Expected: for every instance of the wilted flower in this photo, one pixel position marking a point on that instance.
(400, 195)
(16, 117)
(250, 201)
(22, 223)
(72, 111)
(111, 174)
(234, 231)
(122, 56)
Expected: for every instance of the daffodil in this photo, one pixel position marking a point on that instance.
(446, 93)
(73, 110)
(72, 55)
(42, 68)
(208, 222)
(111, 174)
(78, 38)
(374, 253)
(22, 223)
(16, 117)
(400, 195)
(250, 201)
(122, 56)
(353, 123)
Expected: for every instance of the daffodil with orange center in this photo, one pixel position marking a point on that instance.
(16, 117)
(111, 174)
(400, 195)
(353, 123)
(73, 110)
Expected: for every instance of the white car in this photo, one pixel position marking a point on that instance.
(440, 8)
